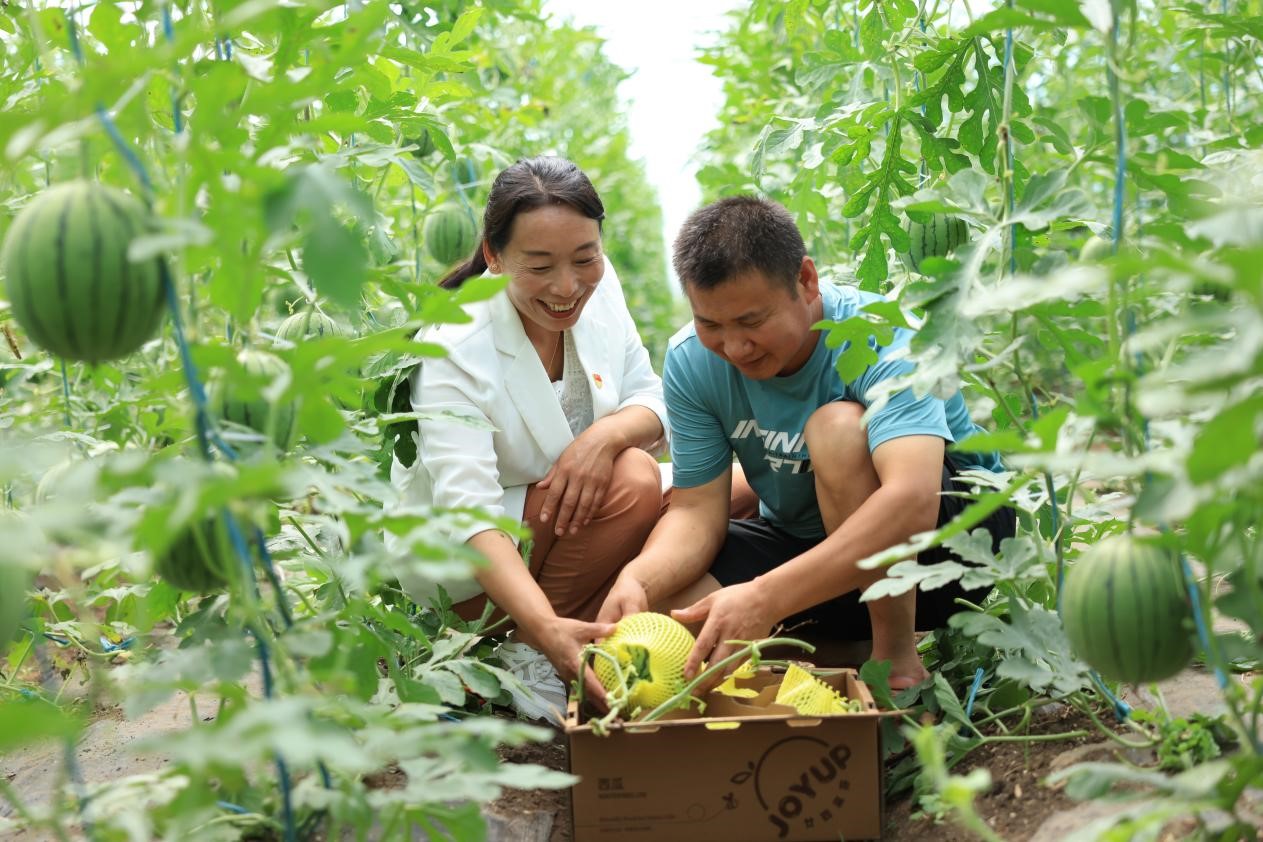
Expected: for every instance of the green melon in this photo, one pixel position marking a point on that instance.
(1095, 249)
(71, 286)
(14, 583)
(308, 324)
(246, 404)
(937, 238)
(1126, 611)
(657, 646)
(201, 559)
(450, 234)
(424, 143)
(465, 173)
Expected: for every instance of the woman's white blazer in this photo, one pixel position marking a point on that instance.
(514, 429)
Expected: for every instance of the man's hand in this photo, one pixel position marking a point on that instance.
(562, 642)
(737, 612)
(577, 482)
(626, 597)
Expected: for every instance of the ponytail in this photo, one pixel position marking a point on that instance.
(475, 265)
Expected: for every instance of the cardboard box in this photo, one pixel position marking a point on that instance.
(746, 771)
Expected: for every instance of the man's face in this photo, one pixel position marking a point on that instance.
(757, 324)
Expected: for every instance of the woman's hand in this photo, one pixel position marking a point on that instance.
(577, 483)
(562, 641)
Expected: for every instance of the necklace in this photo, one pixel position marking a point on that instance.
(548, 369)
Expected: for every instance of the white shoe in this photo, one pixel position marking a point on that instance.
(541, 695)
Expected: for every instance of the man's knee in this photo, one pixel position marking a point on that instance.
(834, 432)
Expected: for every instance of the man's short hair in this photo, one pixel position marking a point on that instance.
(734, 236)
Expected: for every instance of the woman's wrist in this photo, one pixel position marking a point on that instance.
(611, 435)
(536, 624)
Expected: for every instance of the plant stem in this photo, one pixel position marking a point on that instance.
(1085, 708)
(293, 521)
(752, 648)
(6, 790)
(1036, 738)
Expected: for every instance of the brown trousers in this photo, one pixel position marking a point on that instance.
(577, 571)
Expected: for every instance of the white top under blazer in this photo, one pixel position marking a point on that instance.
(493, 377)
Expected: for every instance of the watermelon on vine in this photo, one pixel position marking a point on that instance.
(71, 284)
(249, 406)
(1126, 611)
(201, 559)
(450, 234)
(938, 237)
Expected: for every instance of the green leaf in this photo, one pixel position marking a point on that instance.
(1033, 647)
(319, 420)
(448, 685)
(465, 24)
(908, 575)
(871, 32)
(477, 679)
(948, 702)
(480, 289)
(25, 721)
(335, 260)
(1006, 18)
(107, 27)
(1229, 439)
(876, 674)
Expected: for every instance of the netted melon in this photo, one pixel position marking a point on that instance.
(651, 649)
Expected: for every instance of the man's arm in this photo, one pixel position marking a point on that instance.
(909, 470)
(677, 553)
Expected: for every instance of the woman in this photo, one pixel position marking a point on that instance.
(565, 411)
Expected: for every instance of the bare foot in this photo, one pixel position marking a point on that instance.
(900, 681)
(906, 670)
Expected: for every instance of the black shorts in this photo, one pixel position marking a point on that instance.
(753, 547)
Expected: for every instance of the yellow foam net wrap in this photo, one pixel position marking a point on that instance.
(810, 696)
(729, 686)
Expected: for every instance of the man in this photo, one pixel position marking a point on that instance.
(750, 376)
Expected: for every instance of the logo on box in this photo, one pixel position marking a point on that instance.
(799, 781)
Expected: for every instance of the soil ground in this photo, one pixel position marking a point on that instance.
(1019, 807)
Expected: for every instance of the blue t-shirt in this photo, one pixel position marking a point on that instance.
(715, 412)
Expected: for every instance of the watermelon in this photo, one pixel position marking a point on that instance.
(450, 234)
(308, 324)
(71, 286)
(937, 238)
(465, 172)
(656, 646)
(1095, 249)
(246, 404)
(201, 559)
(14, 583)
(424, 143)
(1126, 611)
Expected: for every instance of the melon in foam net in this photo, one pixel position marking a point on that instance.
(651, 650)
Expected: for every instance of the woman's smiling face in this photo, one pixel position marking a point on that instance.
(554, 261)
